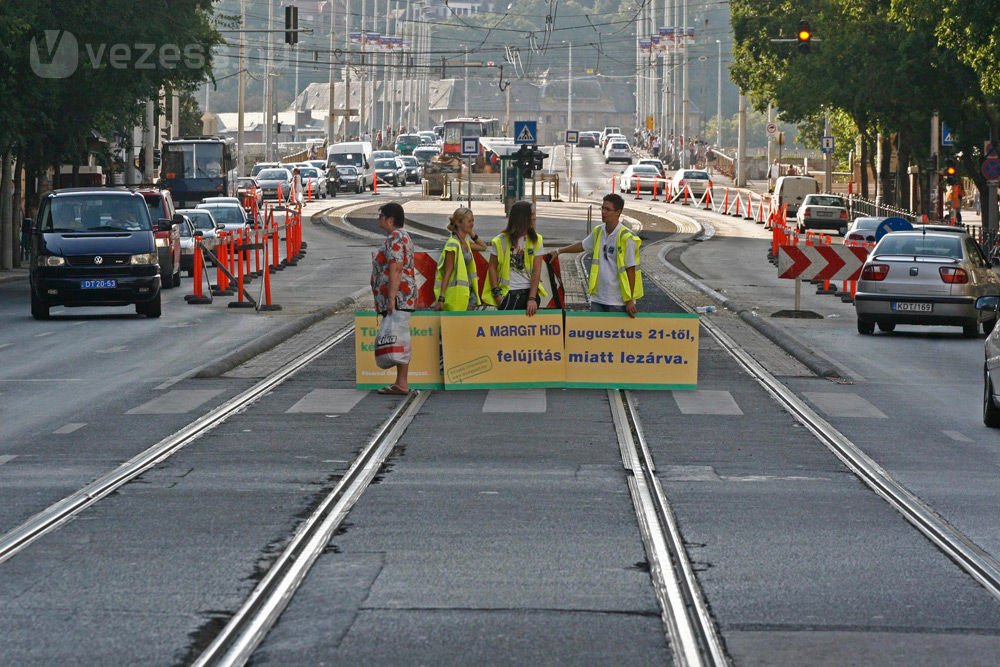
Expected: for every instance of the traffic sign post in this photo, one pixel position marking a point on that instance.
(572, 138)
(470, 149)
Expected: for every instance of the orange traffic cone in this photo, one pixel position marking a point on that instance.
(280, 198)
(309, 190)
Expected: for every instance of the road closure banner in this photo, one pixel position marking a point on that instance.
(425, 362)
(613, 350)
(502, 349)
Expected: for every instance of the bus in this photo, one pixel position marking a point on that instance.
(194, 168)
(457, 128)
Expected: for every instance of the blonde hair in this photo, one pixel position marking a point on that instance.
(457, 217)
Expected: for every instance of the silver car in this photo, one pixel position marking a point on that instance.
(823, 212)
(989, 305)
(925, 277)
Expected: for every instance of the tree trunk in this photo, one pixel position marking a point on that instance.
(18, 205)
(863, 161)
(902, 175)
(6, 234)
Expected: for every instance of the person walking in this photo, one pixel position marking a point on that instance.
(513, 279)
(456, 285)
(772, 174)
(394, 281)
(615, 276)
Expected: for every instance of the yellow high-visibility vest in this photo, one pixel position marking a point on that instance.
(502, 244)
(628, 293)
(464, 279)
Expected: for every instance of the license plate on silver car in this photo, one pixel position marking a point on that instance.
(912, 307)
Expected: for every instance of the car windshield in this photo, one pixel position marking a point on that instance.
(385, 164)
(867, 223)
(95, 212)
(246, 183)
(347, 171)
(696, 175)
(619, 147)
(229, 215)
(825, 200)
(200, 219)
(409, 161)
(645, 169)
(273, 175)
(932, 245)
(309, 173)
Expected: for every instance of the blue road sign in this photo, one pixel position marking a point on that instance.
(947, 136)
(526, 132)
(470, 146)
(892, 225)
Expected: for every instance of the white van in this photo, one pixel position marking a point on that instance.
(355, 154)
(791, 190)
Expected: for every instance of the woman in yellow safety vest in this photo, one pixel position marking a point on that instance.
(456, 285)
(513, 280)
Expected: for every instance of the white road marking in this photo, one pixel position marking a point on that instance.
(175, 402)
(328, 401)
(69, 428)
(957, 435)
(7, 458)
(515, 400)
(44, 334)
(167, 384)
(843, 405)
(706, 402)
(3, 345)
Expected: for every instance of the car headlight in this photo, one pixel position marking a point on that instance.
(51, 260)
(144, 259)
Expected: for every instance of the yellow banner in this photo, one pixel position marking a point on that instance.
(502, 349)
(613, 350)
(425, 362)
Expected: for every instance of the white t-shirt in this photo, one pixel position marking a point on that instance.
(520, 277)
(608, 289)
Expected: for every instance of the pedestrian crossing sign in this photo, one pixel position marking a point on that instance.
(526, 132)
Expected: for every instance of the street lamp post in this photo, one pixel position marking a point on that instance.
(718, 101)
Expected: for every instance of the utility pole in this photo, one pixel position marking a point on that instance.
(718, 100)
(684, 103)
(242, 95)
(741, 144)
(331, 118)
(466, 72)
(828, 158)
(569, 91)
(147, 163)
(268, 84)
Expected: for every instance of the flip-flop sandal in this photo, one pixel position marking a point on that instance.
(393, 390)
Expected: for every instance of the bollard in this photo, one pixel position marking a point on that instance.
(221, 279)
(638, 188)
(275, 264)
(687, 190)
(197, 297)
(655, 183)
(374, 185)
(309, 190)
(267, 305)
(240, 303)
(280, 197)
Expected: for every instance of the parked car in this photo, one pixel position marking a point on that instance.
(617, 151)
(204, 222)
(271, 179)
(414, 170)
(390, 170)
(426, 153)
(168, 242)
(249, 187)
(350, 179)
(697, 182)
(315, 179)
(823, 212)
(94, 247)
(925, 277)
(639, 177)
(233, 217)
(862, 230)
(989, 307)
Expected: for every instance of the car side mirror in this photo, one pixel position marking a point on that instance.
(988, 303)
(164, 225)
(220, 226)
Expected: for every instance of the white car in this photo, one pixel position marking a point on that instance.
(639, 177)
(617, 151)
(697, 181)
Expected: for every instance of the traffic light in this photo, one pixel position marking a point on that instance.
(524, 158)
(291, 25)
(804, 36)
(537, 156)
(950, 172)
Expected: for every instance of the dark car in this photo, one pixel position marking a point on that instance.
(390, 170)
(94, 247)
(588, 139)
(414, 170)
(426, 153)
(350, 179)
(274, 180)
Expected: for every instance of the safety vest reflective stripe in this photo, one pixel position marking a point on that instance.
(624, 237)
(457, 292)
(502, 245)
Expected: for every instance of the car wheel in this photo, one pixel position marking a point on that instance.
(888, 327)
(991, 413)
(866, 327)
(970, 330)
(39, 309)
(177, 275)
(167, 278)
(988, 326)
(150, 308)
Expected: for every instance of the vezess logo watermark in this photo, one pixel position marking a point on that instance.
(59, 56)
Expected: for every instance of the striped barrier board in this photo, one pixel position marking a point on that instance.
(832, 262)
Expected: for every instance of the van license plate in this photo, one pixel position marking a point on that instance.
(98, 284)
(913, 307)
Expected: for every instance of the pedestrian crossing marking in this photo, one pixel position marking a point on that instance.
(706, 402)
(843, 405)
(957, 436)
(7, 458)
(69, 428)
(175, 402)
(328, 401)
(515, 401)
